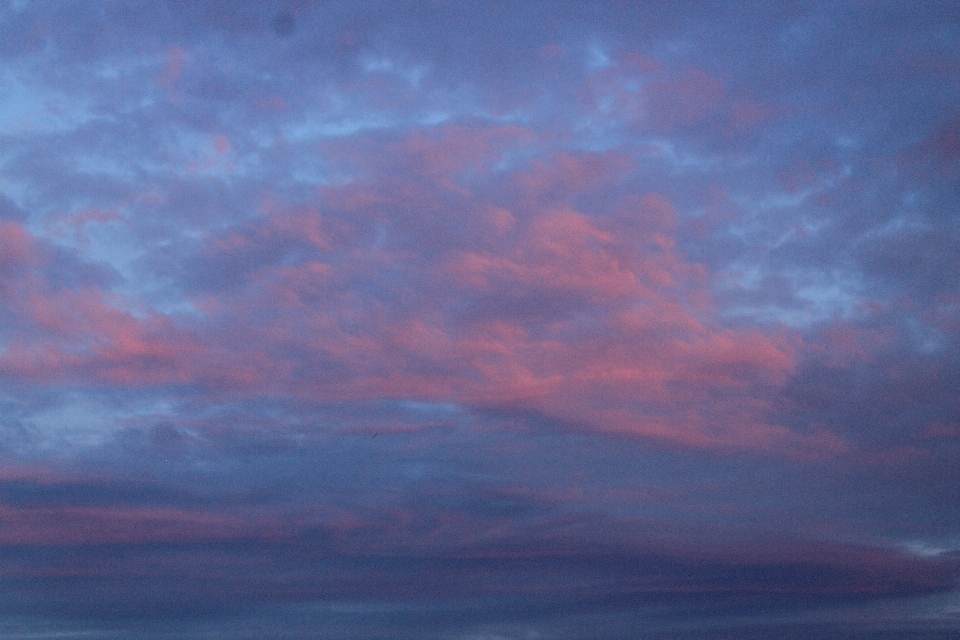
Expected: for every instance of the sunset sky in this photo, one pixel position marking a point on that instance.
(479, 320)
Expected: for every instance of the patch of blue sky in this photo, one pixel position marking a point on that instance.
(174, 307)
(846, 142)
(105, 241)
(431, 409)
(27, 108)
(902, 224)
(595, 137)
(196, 154)
(434, 118)
(188, 154)
(684, 159)
(779, 199)
(596, 58)
(511, 160)
(141, 294)
(815, 296)
(766, 216)
(316, 174)
(318, 127)
(13, 6)
(932, 548)
(804, 230)
(111, 166)
(926, 339)
(412, 74)
(17, 191)
(911, 199)
(597, 134)
(830, 296)
(77, 421)
(134, 69)
(783, 200)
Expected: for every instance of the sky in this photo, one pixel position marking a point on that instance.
(547, 320)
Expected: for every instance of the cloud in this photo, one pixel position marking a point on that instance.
(591, 319)
(578, 319)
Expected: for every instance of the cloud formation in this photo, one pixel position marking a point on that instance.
(568, 317)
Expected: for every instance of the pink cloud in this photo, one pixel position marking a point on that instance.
(942, 430)
(16, 248)
(937, 156)
(173, 66)
(640, 92)
(566, 174)
(684, 100)
(592, 319)
(116, 525)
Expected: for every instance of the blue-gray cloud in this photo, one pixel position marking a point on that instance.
(479, 319)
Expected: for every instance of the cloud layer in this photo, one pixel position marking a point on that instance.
(478, 320)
